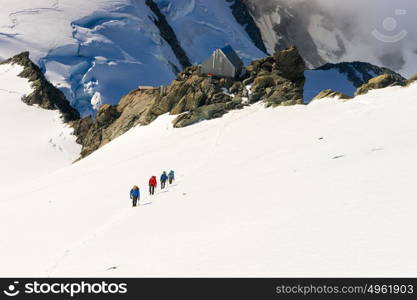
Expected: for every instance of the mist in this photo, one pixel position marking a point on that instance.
(385, 29)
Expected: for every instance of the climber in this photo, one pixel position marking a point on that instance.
(135, 195)
(171, 176)
(152, 185)
(164, 179)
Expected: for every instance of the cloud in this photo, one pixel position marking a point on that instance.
(384, 29)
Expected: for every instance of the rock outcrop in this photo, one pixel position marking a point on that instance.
(380, 82)
(113, 121)
(331, 94)
(277, 80)
(44, 93)
(412, 80)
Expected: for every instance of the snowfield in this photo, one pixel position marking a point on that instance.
(326, 189)
(35, 141)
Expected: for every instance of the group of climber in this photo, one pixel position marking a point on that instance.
(135, 191)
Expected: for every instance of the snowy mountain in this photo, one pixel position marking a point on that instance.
(97, 51)
(247, 201)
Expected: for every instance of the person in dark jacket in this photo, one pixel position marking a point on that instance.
(164, 178)
(171, 176)
(135, 195)
(152, 185)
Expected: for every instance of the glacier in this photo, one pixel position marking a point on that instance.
(89, 49)
(97, 51)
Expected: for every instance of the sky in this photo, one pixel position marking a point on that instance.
(387, 26)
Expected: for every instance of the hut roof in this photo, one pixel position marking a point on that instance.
(232, 56)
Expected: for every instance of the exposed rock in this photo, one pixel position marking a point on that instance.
(206, 112)
(107, 114)
(248, 81)
(412, 80)
(277, 79)
(236, 87)
(195, 98)
(88, 135)
(331, 94)
(44, 93)
(201, 113)
(112, 121)
(263, 82)
(382, 81)
(290, 64)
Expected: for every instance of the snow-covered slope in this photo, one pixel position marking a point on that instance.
(326, 189)
(34, 141)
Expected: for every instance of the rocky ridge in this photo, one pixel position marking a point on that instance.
(412, 80)
(44, 93)
(276, 80)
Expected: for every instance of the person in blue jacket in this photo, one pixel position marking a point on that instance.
(163, 179)
(171, 176)
(135, 195)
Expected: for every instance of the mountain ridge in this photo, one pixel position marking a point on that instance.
(44, 93)
(98, 51)
(275, 80)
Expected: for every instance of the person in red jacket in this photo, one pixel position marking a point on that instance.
(152, 185)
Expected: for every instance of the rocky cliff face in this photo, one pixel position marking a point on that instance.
(276, 80)
(44, 93)
(412, 80)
